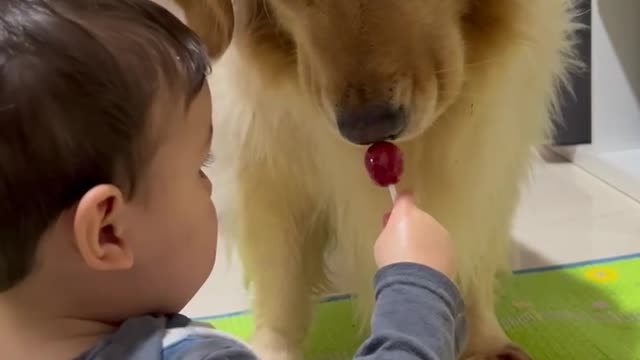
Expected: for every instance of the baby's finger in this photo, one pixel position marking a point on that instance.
(404, 203)
(385, 219)
(406, 195)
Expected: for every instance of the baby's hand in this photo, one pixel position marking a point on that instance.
(412, 235)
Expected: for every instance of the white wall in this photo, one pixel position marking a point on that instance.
(616, 74)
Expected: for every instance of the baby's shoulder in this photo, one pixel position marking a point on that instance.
(168, 338)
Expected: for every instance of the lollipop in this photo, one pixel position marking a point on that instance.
(384, 163)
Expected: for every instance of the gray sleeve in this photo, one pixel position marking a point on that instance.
(209, 348)
(419, 314)
(143, 338)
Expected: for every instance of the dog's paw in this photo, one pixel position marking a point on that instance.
(508, 352)
(269, 345)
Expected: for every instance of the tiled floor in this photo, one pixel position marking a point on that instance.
(566, 216)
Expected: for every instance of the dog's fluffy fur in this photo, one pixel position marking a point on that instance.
(479, 80)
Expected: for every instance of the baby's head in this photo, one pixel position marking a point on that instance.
(104, 130)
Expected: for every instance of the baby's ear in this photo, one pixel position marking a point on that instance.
(212, 20)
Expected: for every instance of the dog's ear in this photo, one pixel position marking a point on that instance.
(212, 20)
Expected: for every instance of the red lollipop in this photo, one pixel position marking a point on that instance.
(384, 163)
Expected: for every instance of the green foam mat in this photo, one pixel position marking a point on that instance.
(581, 311)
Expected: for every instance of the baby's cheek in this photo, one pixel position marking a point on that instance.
(204, 178)
(210, 222)
(210, 237)
(214, 220)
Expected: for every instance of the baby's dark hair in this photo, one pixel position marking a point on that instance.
(78, 80)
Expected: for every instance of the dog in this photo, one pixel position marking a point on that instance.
(465, 88)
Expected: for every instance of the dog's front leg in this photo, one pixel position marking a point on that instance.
(487, 340)
(283, 260)
(282, 310)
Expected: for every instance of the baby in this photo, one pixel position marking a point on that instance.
(107, 229)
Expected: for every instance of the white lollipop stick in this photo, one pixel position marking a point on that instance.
(393, 192)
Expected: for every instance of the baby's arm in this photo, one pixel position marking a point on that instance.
(418, 315)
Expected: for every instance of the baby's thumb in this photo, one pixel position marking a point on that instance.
(404, 203)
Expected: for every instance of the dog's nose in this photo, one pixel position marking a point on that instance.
(372, 123)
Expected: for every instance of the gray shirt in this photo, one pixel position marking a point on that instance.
(419, 314)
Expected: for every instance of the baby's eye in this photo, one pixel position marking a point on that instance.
(208, 161)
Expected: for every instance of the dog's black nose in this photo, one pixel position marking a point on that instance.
(372, 123)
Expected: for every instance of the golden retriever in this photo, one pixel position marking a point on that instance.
(465, 88)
